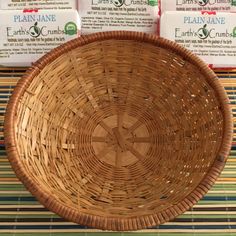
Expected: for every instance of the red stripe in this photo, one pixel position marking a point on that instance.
(208, 12)
(30, 10)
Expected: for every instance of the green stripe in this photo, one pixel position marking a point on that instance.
(17, 202)
(14, 188)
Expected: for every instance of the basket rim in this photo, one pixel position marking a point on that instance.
(107, 223)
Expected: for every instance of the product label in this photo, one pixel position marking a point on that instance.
(198, 5)
(25, 37)
(108, 15)
(212, 37)
(40, 4)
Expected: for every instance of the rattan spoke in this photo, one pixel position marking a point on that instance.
(139, 140)
(99, 139)
(118, 157)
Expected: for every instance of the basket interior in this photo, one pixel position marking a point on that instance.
(118, 128)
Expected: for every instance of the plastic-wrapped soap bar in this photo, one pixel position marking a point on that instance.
(212, 36)
(40, 4)
(108, 15)
(25, 37)
(198, 5)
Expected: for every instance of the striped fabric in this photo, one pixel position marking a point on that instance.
(21, 214)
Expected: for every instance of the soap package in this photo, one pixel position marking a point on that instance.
(210, 36)
(39, 4)
(110, 15)
(198, 5)
(25, 37)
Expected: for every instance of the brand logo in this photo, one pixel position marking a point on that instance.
(153, 2)
(35, 31)
(203, 2)
(234, 32)
(71, 28)
(118, 3)
(203, 32)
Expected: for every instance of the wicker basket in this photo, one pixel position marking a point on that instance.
(118, 130)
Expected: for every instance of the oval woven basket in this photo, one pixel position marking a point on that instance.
(118, 130)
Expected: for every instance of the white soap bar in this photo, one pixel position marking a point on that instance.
(25, 37)
(109, 15)
(198, 5)
(40, 4)
(211, 37)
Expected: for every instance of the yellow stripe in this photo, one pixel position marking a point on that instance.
(210, 213)
(194, 231)
(6, 172)
(200, 223)
(27, 192)
(21, 206)
(26, 213)
(231, 160)
(141, 231)
(220, 192)
(214, 205)
(72, 224)
(228, 172)
(227, 179)
(186, 213)
(38, 223)
(14, 192)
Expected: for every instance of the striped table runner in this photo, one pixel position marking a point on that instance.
(21, 214)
